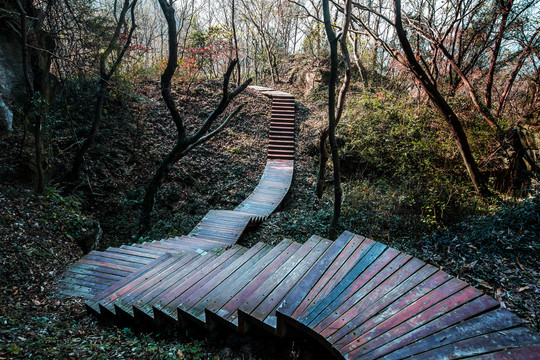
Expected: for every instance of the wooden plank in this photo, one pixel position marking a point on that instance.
(228, 293)
(122, 256)
(80, 270)
(303, 292)
(95, 256)
(268, 284)
(110, 267)
(228, 310)
(151, 285)
(527, 352)
(391, 304)
(134, 252)
(90, 276)
(101, 268)
(135, 279)
(501, 340)
(88, 281)
(195, 304)
(168, 304)
(346, 260)
(397, 327)
(318, 311)
(173, 283)
(400, 337)
(360, 331)
(141, 248)
(266, 311)
(491, 321)
(358, 338)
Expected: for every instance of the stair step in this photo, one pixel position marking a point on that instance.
(110, 294)
(225, 293)
(255, 303)
(195, 305)
(167, 304)
(265, 313)
(228, 312)
(161, 285)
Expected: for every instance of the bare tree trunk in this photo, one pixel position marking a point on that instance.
(524, 53)
(38, 146)
(233, 23)
(440, 103)
(491, 73)
(323, 159)
(105, 76)
(332, 118)
(184, 142)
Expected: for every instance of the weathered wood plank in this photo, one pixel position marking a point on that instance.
(319, 311)
(302, 294)
(483, 344)
(229, 310)
(398, 327)
(392, 340)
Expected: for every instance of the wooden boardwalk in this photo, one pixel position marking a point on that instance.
(359, 298)
(219, 229)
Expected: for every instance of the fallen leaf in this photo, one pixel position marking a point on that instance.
(523, 288)
(484, 284)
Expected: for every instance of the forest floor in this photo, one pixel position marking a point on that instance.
(43, 234)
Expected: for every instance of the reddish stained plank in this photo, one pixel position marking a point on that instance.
(109, 267)
(101, 268)
(169, 305)
(132, 281)
(141, 248)
(339, 269)
(147, 290)
(80, 269)
(195, 271)
(267, 285)
(133, 252)
(297, 298)
(396, 327)
(352, 253)
(216, 287)
(268, 306)
(491, 321)
(88, 281)
(501, 340)
(111, 261)
(123, 258)
(371, 311)
(389, 341)
(245, 278)
(360, 336)
(228, 310)
(204, 243)
(198, 293)
(173, 284)
(374, 275)
(337, 295)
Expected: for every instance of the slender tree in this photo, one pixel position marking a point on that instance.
(184, 142)
(333, 118)
(105, 75)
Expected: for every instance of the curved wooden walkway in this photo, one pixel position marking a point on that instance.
(359, 298)
(219, 229)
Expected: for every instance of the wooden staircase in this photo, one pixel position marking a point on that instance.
(359, 298)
